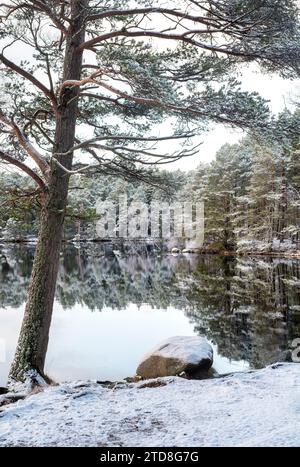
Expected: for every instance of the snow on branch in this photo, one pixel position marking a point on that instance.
(29, 77)
(154, 102)
(11, 160)
(25, 144)
(37, 6)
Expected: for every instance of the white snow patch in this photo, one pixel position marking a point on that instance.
(260, 408)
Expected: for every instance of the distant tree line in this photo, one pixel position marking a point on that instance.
(251, 190)
(251, 194)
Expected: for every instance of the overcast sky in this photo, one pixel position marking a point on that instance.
(280, 92)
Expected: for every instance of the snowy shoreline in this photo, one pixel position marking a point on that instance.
(292, 252)
(253, 408)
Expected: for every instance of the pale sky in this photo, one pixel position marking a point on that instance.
(280, 92)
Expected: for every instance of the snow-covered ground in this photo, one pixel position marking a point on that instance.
(260, 408)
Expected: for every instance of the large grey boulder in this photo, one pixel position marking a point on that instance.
(189, 354)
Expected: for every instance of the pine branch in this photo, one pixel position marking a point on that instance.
(25, 74)
(11, 160)
(25, 144)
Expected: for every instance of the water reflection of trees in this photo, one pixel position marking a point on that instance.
(249, 307)
(101, 279)
(14, 278)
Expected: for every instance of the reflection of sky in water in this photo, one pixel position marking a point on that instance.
(102, 345)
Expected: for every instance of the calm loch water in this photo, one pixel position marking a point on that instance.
(112, 306)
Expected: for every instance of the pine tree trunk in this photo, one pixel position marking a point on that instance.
(33, 341)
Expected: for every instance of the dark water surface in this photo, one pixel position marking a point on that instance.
(112, 307)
